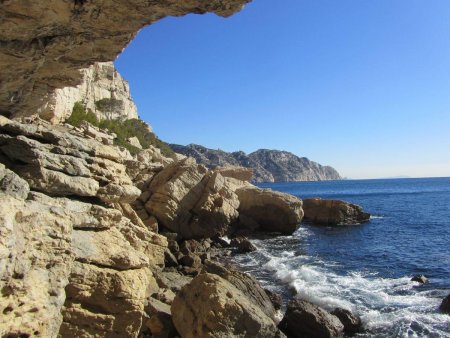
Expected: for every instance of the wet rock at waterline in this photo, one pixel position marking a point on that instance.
(420, 279)
(445, 305)
(268, 210)
(333, 212)
(303, 319)
(352, 324)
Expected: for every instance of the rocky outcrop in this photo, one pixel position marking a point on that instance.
(269, 210)
(189, 200)
(267, 165)
(333, 212)
(303, 319)
(70, 262)
(229, 312)
(102, 91)
(44, 45)
(61, 161)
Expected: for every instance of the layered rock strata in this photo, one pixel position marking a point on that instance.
(71, 263)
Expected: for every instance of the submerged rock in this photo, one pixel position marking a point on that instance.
(303, 319)
(333, 212)
(229, 313)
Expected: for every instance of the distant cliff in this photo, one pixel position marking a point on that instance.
(267, 165)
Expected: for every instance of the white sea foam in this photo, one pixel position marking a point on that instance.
(384, 304)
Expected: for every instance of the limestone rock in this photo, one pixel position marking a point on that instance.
(246, 283)
(333, 212)
(303, 319)
(105, 302)
(61, 161)
(269, 210)
(45, 45)
(13, 185)
(229, 312)
(35, 261)
(134, 141)
(192, 202)
(266, 165)
(102, 90)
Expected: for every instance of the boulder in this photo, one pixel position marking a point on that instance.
(445, 305)
(303, 319)
(268, 210)
(352, 324)
(134, 141)
(333, 212)
(245, 283)
(420, 279)
(229, 313)
(242, 244)
(189, 200)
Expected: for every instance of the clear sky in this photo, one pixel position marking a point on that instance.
(362, 85)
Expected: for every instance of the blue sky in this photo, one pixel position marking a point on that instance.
(361, 85)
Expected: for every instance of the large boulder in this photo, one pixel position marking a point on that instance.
(245, 283)
(210, 306)
(269, 210)
(189, 200)
(303, 319)
(333, 212)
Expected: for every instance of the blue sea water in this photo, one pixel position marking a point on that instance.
(367, 268)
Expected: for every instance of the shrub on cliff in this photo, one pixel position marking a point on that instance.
(124, 129)
(79, 114)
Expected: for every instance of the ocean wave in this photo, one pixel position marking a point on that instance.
(392, 306)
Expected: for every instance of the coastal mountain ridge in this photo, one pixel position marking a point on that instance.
(268, 165)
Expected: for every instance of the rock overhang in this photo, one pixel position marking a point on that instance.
(44, 44)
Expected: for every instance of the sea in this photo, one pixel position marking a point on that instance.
(367, 268)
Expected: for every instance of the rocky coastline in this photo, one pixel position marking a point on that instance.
(97, 242)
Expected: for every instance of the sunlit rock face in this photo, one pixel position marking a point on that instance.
(102, 91)
(44, 44)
